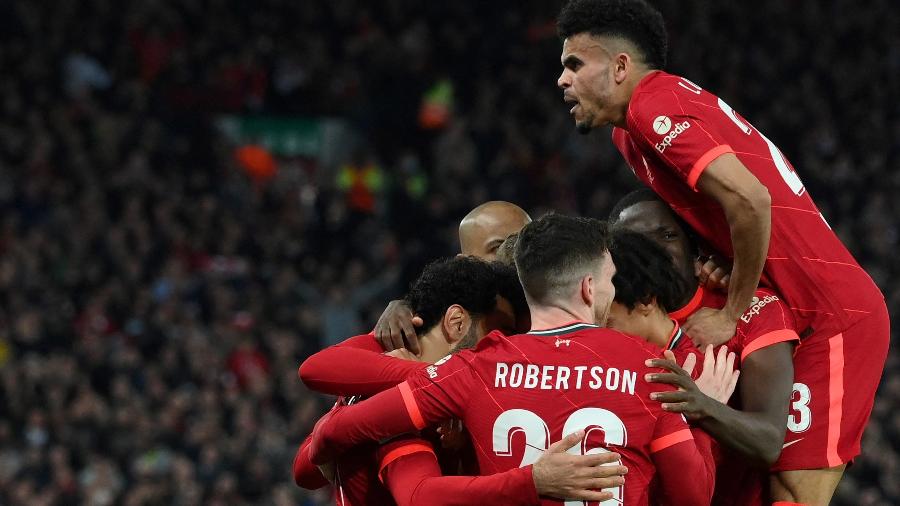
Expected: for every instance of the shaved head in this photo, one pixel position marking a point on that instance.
(485, 228)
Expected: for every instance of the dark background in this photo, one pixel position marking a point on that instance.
(156, 298)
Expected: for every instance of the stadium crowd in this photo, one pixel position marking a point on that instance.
(155, 301)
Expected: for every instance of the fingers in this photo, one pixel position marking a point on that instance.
(718, 278)
(668, 365)
(678, 407)
(702, 269)
(732, 384)
(721, 359)
(600, 461)
(567, 442)
(729, 364)
(664, 397)
(709, 362)
(409, 333)
(669, 356)
(590, 495)
(678, 380)
(393, 340)
(689, 363)
(725, 282)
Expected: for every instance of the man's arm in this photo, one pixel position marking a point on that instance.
(307, 475)
(758, 430)
(410, 470)
(748, 210)
(672, 455)
(354, 367)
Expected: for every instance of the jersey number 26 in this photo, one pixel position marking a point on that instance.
(537, 436)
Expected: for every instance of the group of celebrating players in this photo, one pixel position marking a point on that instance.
(584, 361)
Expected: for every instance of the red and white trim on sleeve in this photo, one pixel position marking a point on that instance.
(668, 440)
(774, 337)
(411, 407)
(400, 452)
(703, 162)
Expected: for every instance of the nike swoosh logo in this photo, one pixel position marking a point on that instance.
(789, 443)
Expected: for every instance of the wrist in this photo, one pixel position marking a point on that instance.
(708, 408)
(732, 312)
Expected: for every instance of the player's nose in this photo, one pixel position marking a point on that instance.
(564, 80)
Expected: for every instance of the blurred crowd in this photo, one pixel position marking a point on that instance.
(156, 300)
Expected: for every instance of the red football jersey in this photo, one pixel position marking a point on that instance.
(675, 129)
(766, 322)
(356, 480)
(516, 395)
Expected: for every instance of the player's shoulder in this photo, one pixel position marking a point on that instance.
(766, 303)
(623, 344)
(661, 93)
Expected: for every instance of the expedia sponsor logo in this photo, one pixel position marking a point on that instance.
(673, 134)
(757, 306)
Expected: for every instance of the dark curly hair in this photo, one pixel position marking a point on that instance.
(644, 270)
(463, 280)
(633, 20)
(555, 251)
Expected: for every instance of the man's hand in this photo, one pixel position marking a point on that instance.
(713, 272)
(710, 326)
(396, 328)
(718, 378)
(565, 476)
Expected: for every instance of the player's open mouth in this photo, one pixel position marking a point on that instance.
(572, 102)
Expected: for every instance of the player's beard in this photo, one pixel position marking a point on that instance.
(469, 340)
(601, 315)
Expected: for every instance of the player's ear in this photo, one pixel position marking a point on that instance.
(587, 290)
(621, 64)
(646, 308)
(456, 323)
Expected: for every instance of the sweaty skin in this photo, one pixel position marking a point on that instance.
(485, 228)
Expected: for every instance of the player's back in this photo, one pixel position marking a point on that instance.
(541, 386)
(675, 129)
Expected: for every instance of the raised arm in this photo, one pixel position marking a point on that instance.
(355, 367)
(748, 210)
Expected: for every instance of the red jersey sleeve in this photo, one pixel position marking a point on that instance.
(356, 366)
(443, 390)
(410, 470)
(675, 449)
(677, 130)
(435, 393)
(766, 322)
(306, 474)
